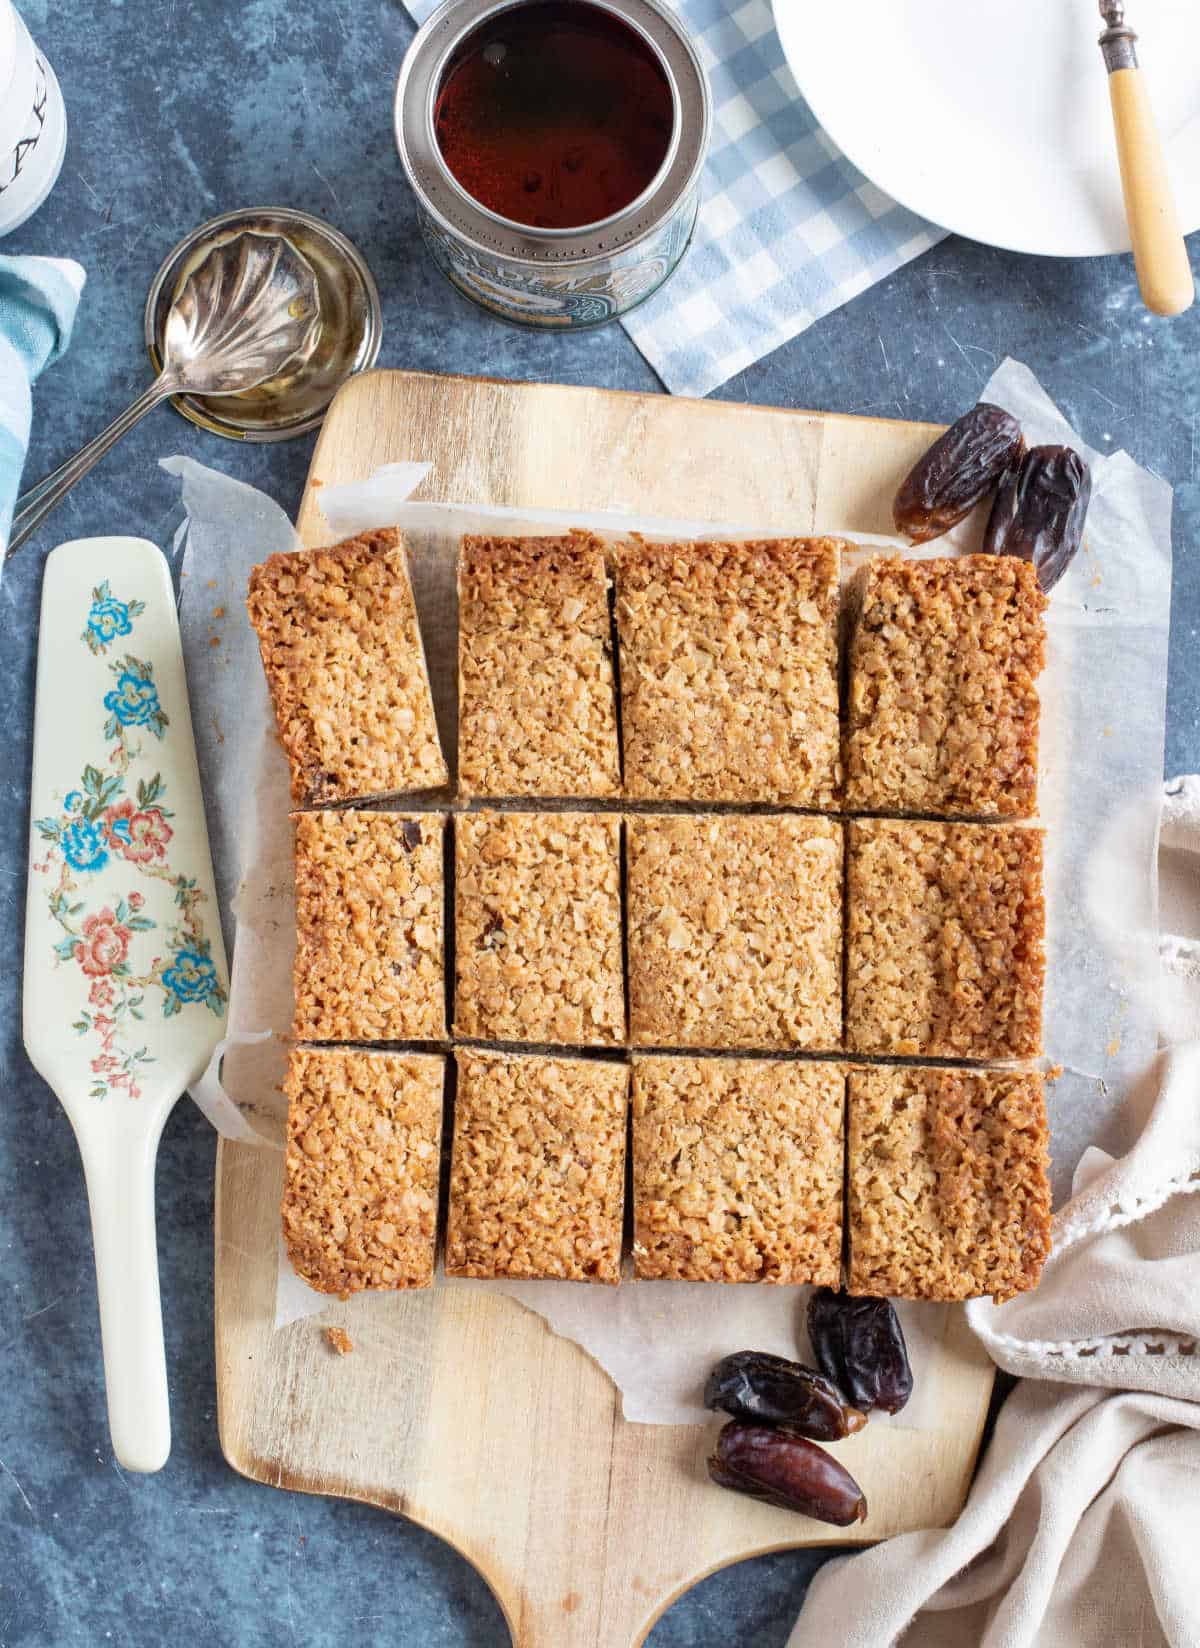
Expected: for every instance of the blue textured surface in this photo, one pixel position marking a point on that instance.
(178, 112)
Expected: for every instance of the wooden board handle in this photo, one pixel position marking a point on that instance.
(1159, 254)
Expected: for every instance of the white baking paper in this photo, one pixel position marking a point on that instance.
(1104, 705)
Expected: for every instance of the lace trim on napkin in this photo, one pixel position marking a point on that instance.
(1156, 1344)
(1163, 1344)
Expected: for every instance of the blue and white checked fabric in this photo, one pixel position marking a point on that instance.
(788, 228)
(38, 300)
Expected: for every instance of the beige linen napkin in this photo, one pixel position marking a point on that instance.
(1083, 1527)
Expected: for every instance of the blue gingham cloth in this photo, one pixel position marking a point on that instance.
(788, 228)
(38, 300)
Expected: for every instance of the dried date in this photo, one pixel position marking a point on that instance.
(1040, 510)
(961, 467)
(787, 1471)
(770, 1390)
(859, 1344)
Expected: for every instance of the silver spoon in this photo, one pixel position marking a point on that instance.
(249, 309)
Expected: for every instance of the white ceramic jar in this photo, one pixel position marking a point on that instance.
(33, 123)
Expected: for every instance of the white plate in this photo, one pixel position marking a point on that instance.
(991, 117)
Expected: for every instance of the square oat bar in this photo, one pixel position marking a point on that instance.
(729, 671)
(360, 1188)
(944, 659)
(947, 1182)
(369, 927)
(735, 931)
(737, 1170)
(945, 932)
(537, 930)
(342, 653)
(536, 704)
(537, 1177)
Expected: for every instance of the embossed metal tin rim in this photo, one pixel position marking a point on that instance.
(443, 198)
(337, 250)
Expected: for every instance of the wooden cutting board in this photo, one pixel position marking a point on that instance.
(502, 1438)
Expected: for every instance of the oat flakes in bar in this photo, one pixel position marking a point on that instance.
(735, 931)
(729, 670)
(537, 1177)
(341, 650)
(737, 1170)
(538, 928)
(944, 660)
(536, 704)
(369, 927)
(360, 1187)
(947, 1182)
(945, 928)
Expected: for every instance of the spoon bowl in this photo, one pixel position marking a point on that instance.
(249, 310)
(296, 400)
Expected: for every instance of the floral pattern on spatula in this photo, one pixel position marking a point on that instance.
(107, 618)
(115, 819)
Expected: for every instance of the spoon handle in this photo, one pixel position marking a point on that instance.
(120, 1184)
(33, 506)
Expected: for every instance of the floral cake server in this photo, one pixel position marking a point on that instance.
(125, 978)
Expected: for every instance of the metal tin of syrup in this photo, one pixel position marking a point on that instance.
(542, 276)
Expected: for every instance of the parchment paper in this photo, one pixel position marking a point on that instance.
(1103, 697)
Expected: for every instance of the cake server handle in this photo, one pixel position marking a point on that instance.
(118, 1165)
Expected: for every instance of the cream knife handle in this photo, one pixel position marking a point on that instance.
(1159, 253)
(120, 1182)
